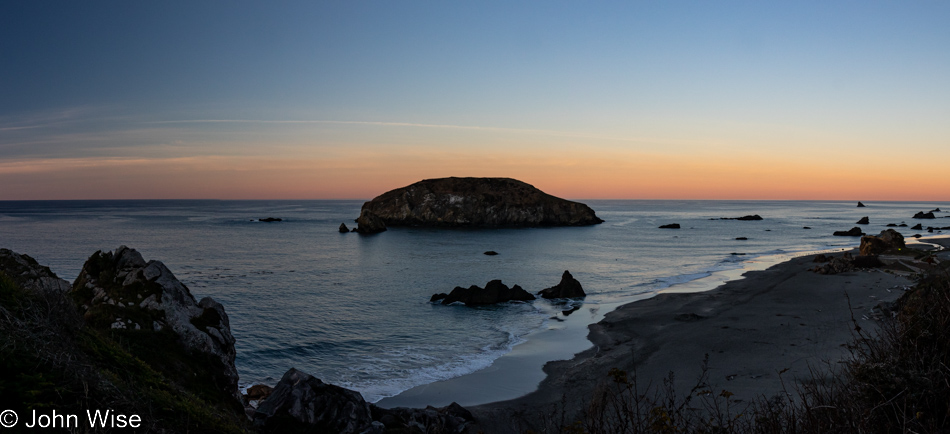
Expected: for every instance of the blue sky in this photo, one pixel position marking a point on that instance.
(388, 92)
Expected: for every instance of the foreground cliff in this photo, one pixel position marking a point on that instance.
(129, 338)
(474, 202)
(126, 337)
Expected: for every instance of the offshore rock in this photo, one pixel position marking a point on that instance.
(671, 226)
(303, 403)
(860, 205)
(569, 287)
(494, 292)
(477, 202)
(863, 221)
(343, 228)
(120, 290)
(925, 215)
(853, 232)
(369, 222)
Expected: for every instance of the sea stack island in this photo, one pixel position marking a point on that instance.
(471, 202)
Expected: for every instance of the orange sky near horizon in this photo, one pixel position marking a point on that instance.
(600, 175)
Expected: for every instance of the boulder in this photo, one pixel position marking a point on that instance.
(860, 205)
(867, 261)
(259, 392)
(853, 232)
(671, 226)
(568, 287)
(924, 215)
(494, 292)
(120, 290)
(369, 223)
(451, 419)
(835, 265)
(343, 228)
(476, 202)
(871, 245)
(303, 403)
(863, 221)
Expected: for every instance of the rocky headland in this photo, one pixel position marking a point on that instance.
(130, 337)
(471, 202)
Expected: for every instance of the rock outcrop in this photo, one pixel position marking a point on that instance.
(303, 403)
(568, 287)
(451, 419)
(493, 293)
(369, 222)
(29, 274)
(853, 232)
(888, 240)
(476, 202)
(120, 290)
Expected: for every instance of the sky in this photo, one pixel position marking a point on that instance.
(332, 99)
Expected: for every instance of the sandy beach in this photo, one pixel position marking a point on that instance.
(785, 319)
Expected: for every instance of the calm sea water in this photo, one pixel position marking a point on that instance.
(353, 310)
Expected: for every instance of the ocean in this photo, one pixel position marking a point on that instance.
(354, 310)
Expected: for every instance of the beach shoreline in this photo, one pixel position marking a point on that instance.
(761, 332)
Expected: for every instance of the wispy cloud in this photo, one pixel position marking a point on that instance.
(557, 133)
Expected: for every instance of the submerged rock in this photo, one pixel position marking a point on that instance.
(270, 219)
(671, 226)
(568, 287)
(478, 202)
(491, 253)
(494, 292)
